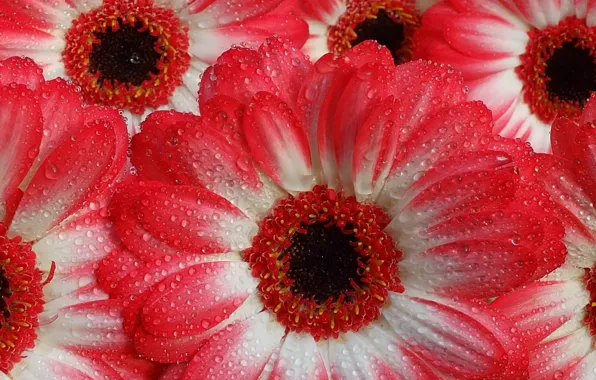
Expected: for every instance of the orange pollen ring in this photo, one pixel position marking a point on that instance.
(532, 70)
(21, 299)
(378, 263)
(171, 44)
(342, 35)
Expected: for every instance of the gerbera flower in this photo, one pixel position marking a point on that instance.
(334, 228)
(58, 162)
(529, 61)
(137, 55)
(557, 315)
(338, 25)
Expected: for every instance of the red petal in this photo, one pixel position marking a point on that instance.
(20, 71)
(286, 66)
(174, 372)
(115, 267)
(218, 11)
(278, 142)
(20, 133)
(197, 298)
(453, 342)
(375, 148)
(225, 350)
(71, 175)
(541, 308)
(90, 329)
(589, 111)
(471, 268)
(448, 133)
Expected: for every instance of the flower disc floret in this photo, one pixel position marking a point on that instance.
(315, 302)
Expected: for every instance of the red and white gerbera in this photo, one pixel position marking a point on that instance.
(58, 162)
(529, 61)
(337, 25)
(557, 315)
(137, 55)
(327, 221)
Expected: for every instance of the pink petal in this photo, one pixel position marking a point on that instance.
(20, 133)
(197, 298)
(325, 11)
(241, 349)
(542, 307)
(20, 71)
(278, 142)
(450, 340)
(71, 175)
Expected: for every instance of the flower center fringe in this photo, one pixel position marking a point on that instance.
(324, 263)
(391, 23)
(127, 54)
(559, 69)
(21, 299)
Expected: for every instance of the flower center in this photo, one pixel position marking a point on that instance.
(391, 23)
(128, 54)
(559, 69)
(21, 299)
(324, 263)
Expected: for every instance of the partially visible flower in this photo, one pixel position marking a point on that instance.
(137, 55)
(557, 315)
(328, 221)
(529, 61)
(58, 163)
(337, 25)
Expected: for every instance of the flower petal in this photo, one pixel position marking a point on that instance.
(218, 12)
(241, 349)
(70, 176)
(278, 142)
(197, 298)
(298, 359)
(20, 133)
(20, 71)
(542, 307)
(450, 340)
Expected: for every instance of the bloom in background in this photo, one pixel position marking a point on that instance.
(529, 61)
(58, 162)
(137, 55)
(338, 25)
(334, 229)
(557, 315)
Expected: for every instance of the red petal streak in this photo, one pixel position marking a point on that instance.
(20, 71)
(375, 148)
(71, 175)
(20, 133)
(90, 329)
(541, 308)
(115, 267)
(200, 296)
(452, 341)
(448, 133)
(239, 350)
(286, 66)
(278, 142)
(471, 268)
